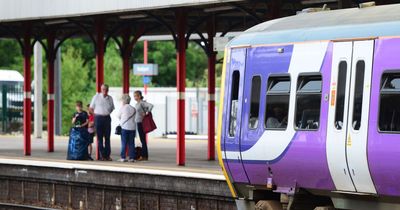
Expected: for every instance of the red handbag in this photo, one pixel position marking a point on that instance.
(148, 123)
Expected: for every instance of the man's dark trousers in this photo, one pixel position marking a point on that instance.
(103, 131)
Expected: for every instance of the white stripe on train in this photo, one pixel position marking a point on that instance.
(306, 57)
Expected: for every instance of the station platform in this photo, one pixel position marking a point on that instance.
(48, 180)
(162, 154)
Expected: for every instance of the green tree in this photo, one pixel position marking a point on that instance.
(79, 68)
(113, 68)
(163, 54)
(112, 65)
(10, 54)
(196, 66)
(75, 84)
(85, 46)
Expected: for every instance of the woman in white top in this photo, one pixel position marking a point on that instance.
(142, 108)
(128, 124)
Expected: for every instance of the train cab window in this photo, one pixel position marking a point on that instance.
(255, 102)
(308, 102)
(358, 95)
(389, 111)
(277, 106)
(234, 102)
(340, 94)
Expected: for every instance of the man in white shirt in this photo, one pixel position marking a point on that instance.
(102, 105)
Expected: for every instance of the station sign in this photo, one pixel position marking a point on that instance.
(146, 80)
(142, 69)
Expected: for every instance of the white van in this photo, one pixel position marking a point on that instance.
(13, 81)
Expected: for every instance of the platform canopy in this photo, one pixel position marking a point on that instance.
(157, 17)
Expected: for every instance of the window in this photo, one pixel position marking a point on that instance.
(358, 95)
(234, 103)
(277, 106)
(255, 102)
(308, 102)
(340, 94)
(389, 110)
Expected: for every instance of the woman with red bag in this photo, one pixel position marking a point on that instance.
(142, 108)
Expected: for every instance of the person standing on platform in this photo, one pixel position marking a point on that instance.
(80, 118)
(126, 116)
(78, 135)
(102, 105)
(142, 109)
(91, 131)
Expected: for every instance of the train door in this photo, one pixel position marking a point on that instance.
(233, 106)
(348, 116)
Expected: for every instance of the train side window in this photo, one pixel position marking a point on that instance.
(358, 95)
(255, 102)
(277, 106)
(340, 94)
(234, 102)
(389, 110)
(308, 102)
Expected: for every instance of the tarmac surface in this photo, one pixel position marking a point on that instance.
(162, 154)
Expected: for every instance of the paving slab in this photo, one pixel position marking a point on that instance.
(161, 154)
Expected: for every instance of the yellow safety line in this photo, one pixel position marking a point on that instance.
(221, 109)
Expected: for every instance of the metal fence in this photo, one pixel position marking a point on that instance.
(11, 107)
(165, 109)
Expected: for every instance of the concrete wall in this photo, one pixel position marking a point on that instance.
(165, 110)
(69, 188)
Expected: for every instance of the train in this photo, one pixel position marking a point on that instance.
(310, 111)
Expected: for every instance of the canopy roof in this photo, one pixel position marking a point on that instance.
(325, 25)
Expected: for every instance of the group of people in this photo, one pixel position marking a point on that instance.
(98, 122)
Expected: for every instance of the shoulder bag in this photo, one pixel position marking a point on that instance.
(148, 123)
(118, 129)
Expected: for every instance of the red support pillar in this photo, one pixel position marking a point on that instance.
(145, 59)
(27, 92)
(99, 63)
(99, 54)
(145, 51)
(125, 61)
(211, 90)
(50, 91)
(180, 82)
(127, 47)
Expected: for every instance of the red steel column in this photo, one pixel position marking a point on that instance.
(145, 61)
(50, 92)
(27, 93)
(125, 61)
(211, 107)
(99, 54)
(211, 90)
(99, 64)
(180, 82)
(145, 51)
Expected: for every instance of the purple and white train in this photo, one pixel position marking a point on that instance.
(310, 108)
